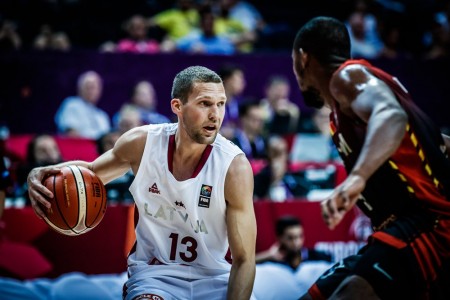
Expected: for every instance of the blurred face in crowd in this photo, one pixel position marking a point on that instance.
(109, 140)
(253, 122)
(277, 148)
(292, 239)
(278, 90)
(136, 28)
(90, 87)
(144, 95)
(321, 119)
(46, 151)
(235, 84)
(129, 118)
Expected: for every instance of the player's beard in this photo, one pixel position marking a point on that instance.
(198, 137)
(311, 97)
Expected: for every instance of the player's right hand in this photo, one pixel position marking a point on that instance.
(342, 199)
(37, 191)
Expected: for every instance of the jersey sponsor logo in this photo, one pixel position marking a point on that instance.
(205, 196)
(154, 189)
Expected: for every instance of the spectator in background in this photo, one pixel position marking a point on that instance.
(289, 248)
(288, 268)
(363, 43)
(128, 118)
(144, 101)
(49, 40)
(176, 22)
(137, 39)
(241, 36)
(79, 116)
(42, 150)
(206, 40)
(440, 34)
(107, 141)
(274, 182)
(9, 38)
(245, 12)
(248, 136)
(313, 143)
(390, 34)
(233, 78)
(5, 182)
(281, 115)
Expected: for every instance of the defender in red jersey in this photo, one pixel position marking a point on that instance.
(398, 172)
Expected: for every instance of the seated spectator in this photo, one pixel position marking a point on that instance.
(289, 248)
(128, 117)
(42, 150)
(287, 269)
(362, 44)
(245, 12)
(281, 115)
(440, 35)
(106, 142)
(274, 182)
(206, 40)
(5, 182)
(79, 116)
(234, 82)
(143, 99)
(137, 40)
(242, 37)
(49, 40)
(177, 22)
(9, 37)
(313, 143)
(248, 136)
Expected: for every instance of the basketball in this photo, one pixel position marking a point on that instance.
(79, 201)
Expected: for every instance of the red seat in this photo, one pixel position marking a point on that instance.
(71, 148)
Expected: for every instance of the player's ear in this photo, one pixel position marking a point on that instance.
(176, 105)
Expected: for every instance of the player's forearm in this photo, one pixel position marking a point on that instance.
(385, 132)
(241, 281)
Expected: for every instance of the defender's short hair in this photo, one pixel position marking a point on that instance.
(325, 38)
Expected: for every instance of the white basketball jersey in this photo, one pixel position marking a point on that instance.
(181, 222)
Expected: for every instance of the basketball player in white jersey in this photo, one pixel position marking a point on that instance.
(193, 193)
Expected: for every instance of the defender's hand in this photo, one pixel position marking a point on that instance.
(342, 199)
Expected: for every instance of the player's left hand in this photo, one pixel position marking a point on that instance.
(342, 199)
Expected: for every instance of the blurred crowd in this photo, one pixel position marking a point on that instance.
(291, 151)
(379, 28)
(273, 132)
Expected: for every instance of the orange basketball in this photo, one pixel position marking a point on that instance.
(79, 201)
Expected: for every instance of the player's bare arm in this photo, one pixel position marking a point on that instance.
(110, 165)
(363, 96)
(241, 226)
(126, 154)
